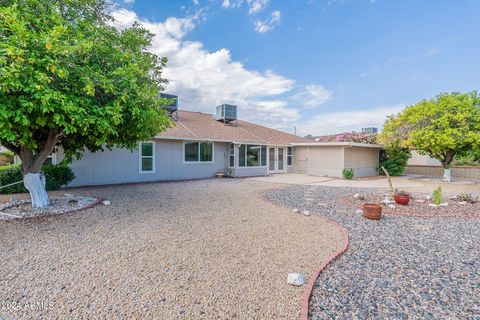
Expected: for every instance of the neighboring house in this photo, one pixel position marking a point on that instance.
(422, 160)
(200, 145)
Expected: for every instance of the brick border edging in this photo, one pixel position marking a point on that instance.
(97, 201)
(313, 278)
(307, 293)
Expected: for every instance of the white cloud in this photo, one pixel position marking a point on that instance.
(196, 2)
(312, 96)
(255, 6)
(268, 24)
(337, 122)
(204, 79)
(129, 1)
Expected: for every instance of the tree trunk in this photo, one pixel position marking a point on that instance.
(35, 184)
(447, 175)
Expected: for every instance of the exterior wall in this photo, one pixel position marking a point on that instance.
(318, 160)
(251, 172)
(421, 160)
(363, 161)
(436, 171)
(122, 166)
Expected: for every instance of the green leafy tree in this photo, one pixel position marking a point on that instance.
(442, 127)
(394, 159)
(69, 79)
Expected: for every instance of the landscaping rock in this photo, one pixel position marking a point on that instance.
(443, 204)
(306, 213)
(359, 211)
(296, 210)
(295, 279)
(463, 202)
(359, 196)
(420, 201)
(392, 206)
(106, 202)
(433, 205)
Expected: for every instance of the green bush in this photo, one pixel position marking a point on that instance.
(394, 159)
(437, 196)
(10, 174)
(348, 173)
(56, 176)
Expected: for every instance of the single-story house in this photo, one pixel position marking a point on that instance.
(201, 145)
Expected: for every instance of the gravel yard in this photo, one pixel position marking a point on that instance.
(206, 249)
(395, 268)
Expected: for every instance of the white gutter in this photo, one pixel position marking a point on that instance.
(337, 144)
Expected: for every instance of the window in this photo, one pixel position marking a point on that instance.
(231, 155)
(51, 159)
(289, 156)
(198, 152)
(252, 156)
(147, 157)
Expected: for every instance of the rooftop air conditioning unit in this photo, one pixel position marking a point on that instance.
(226, 113)
(173, 106)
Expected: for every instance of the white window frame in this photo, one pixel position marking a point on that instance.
(289, 156)
(260, 160)
(231, 153)
(53, 155)
(140, 157)
(198, 155)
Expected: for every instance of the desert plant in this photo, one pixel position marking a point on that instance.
(437, 196)
(468, 197)
(348, 173)
(392, 192)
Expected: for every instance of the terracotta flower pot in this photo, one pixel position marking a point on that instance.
(402, 199)
(372, 211)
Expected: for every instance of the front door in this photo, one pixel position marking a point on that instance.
(276, 163)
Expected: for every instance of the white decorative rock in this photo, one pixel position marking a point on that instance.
(433, 205)
(106, 202)
(420, 201)
(429, 197)
(392, 206)
(296, 210)
(68, 195)
(306, 213)
(443, 204)
(295, 279)
(463, 202)
(358, 211)
(356, 195)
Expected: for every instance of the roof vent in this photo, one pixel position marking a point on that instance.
(226, 113)
(172, 107)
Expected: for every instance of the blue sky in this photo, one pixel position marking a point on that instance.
(324, 66)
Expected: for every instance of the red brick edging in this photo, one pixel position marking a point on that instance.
(311, 282)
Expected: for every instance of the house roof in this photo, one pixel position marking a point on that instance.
(203, 126)
(338, 144)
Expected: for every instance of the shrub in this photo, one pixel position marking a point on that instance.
(437, 196)
(56, 175)
(348, 173)
(394, 159)
(468, 197)
(10, 174)
(6, 158)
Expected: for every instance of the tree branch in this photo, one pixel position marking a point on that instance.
(11, 147)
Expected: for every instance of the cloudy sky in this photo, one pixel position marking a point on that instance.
(323, 66)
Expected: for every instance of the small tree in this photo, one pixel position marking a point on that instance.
(442, 127)
(394, 159)
(69, 79)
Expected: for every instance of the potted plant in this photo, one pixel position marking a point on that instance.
(372, 211)
(402, 198)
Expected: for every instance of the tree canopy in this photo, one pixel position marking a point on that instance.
(69, 78)
(442, 127)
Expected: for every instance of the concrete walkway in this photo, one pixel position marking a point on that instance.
(407, 183)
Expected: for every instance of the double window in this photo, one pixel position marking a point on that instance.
(147, 157)
(231, 155)
(198, 152)
(252, 155)
(289, 156)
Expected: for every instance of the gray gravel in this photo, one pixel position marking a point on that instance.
(209, 249)
(395, 268)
